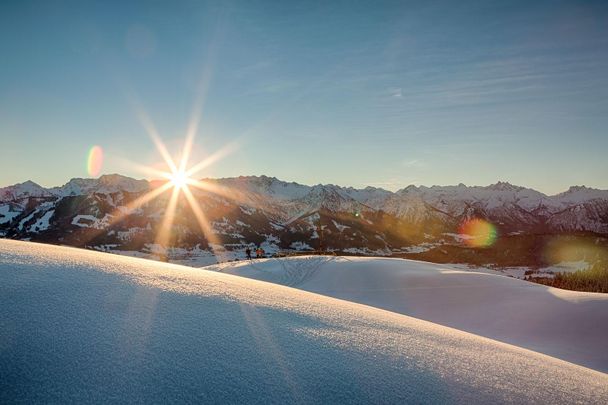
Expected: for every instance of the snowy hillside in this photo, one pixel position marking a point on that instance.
(81, 326)
(569, 325)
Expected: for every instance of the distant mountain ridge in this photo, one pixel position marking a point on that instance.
(110, 183)
(283, 215)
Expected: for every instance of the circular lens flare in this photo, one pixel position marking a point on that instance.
(478, 232)
(95, 161)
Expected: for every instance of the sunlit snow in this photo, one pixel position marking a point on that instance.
(573, 327)
(83, 326)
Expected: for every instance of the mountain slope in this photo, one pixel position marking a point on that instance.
(80, 326)
(277, 215)
(569, 325)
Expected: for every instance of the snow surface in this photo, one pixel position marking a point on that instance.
(43, 222)
(6, 215)
(569, 325)
(26, 219)
(77, 218)
(83, 326)
(423, 247)
(567, 267)
(340, 227)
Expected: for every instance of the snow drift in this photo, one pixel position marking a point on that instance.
(569, 325)
(83, 326)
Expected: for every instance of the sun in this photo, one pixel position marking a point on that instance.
(179, 179)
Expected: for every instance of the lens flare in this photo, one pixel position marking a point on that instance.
(570, 251)
(95, 161)
(478, 233)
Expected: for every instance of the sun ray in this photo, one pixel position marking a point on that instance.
(229, 193)
(160, 146)
(147, 170)
(162, 237)
(178, 176)
(211, 159)
(150, 128)
(197, 112)
(179, 179)
(187, 149)
(123, 211)
(202, 221)
(225, 192)
(192, 130)
(149, 196)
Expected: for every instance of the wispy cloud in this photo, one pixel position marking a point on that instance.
(395, 92)
(413, 163)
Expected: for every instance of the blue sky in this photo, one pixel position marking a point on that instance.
(352, 93)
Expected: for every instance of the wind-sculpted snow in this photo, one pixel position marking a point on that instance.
(569, 325)
(80, 326)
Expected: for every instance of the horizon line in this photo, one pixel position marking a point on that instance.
(150, 180)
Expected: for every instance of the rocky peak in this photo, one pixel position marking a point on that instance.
(23, 190)
(503, 186)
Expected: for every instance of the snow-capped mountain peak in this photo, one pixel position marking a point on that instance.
(579, 194)
(106, 184)
(415, 210)
(23, 190)
(504, 186)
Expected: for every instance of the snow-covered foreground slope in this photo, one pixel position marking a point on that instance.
(82, 326)
(569, 325)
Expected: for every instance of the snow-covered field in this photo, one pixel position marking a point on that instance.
(570, 325)
(84, 326)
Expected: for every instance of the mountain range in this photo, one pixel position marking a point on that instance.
(279, 215)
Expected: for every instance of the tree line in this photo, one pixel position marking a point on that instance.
(593, 279)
